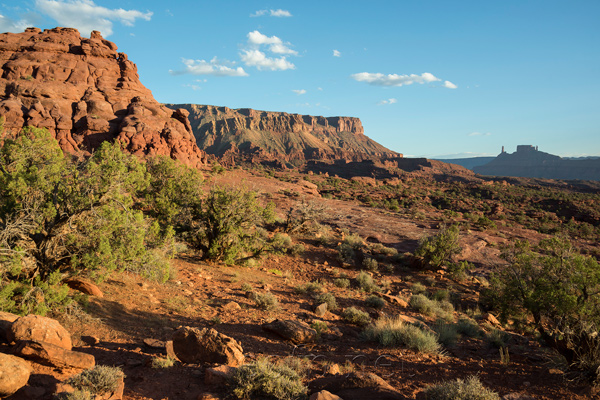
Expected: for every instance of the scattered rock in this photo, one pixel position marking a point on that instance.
(321, 310)
(331, 369)
(395, 300)
(296, 331)
(84, 286)
(218, 376)
(324, 395)
(195, 346)
(6, 320)
(208, 396)
(491, 319)
(53, 355)
(170, 351)
(14, 374)
(155, 343)
(231, 306)
(39, 329)
(356, 386)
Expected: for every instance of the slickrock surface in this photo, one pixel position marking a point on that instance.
(85, 92)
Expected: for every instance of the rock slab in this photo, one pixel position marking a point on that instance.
(296, 331)
(54, 356)
(14, 374)
(39, 329)
(196, 346)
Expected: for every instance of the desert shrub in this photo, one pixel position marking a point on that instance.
(447, 332)
(459, 270)
(381, 249)
(356, 316)
(365, 282)
(266, 301)
(370, 264)
(75, 395)
(264, 378)
(328, 299)
(353, 240)
(469, 327)
(342, 282)
(393, 332)
(310, 288)
(297, 249)
(469, 389)
(441, 295)
(305, 217)
(497, 338)
(375, 302)
(439, 249)
(162, 363)
(228, 220)
(100, 379)
(246, 287)
(319, 327)
(173, 191)
(346, 254)
(558, 287)
(418, 288)
(426, 306)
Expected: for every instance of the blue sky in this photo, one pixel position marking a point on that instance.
(427, 78)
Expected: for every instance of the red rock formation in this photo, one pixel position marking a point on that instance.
(259, 136)
(84, 93)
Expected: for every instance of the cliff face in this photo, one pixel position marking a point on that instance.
(251, 135)
(530, 163)
(84, 93)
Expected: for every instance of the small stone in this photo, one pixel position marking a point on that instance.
(332, 369)
(321, 310)
(154, 343)
(84, 286)
(231, 306)
(218, 376)
(195, 346)
(296, 331)
(491, 319)
(324, 395)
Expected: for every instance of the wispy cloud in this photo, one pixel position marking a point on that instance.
(378, 79)
(272, 13)
(258, 59)
(10, 25)
(479, 134)
(388, 101)
(336, 53)
(299, 91)
(213, 67)
(86, 16)
(255, 57)
(449, 85)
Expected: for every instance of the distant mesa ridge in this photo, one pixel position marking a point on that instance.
(529, 162)
(245, 134)
(84, 92)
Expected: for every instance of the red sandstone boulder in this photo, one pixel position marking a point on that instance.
(53, 355)
(196, 346)
(39, 329)
(14, 374)
(85, 92)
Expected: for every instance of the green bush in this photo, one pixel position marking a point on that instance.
(342, 282)
(356, 316)
(439, 249)
(370, 264)
(365, 282)
(441, 309)
(328, 299)
(266, 301)
(393, 332)
(264, 378)
(228, 220)
(447, 332)
(309, 287)
(418, 288)
(375, 302)
(469, 327)
(469, 389)
(346, 254)
(98, 380)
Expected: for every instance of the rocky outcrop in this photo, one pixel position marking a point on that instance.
(40, 329)
(296, 331)
(250, 135)
(529, 162)
(85, 92)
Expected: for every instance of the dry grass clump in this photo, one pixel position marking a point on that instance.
(426, 306)
(100, 379)
(266, 301)
(356, 316)
(310, 288)
(328, 299)
(394, 332)
(365, 282)
(469, 389)
(264, 378)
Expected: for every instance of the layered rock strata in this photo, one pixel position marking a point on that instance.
(85, 92)
(258, 136)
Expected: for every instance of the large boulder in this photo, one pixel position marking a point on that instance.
(39, 329)
(196, 346)
(14, 374)
(296, 331)
(356, 386)
(53, 355)
(84, 92)
(6, 321)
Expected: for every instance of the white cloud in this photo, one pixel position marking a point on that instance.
(275, 44)
(10, 25)
(213, 67)
(272, 13)
(449, 85)
(299, 91)
(388, 101)
(377, 79)
(86, 16)
(193, 87)
(336, 53)
(479, 134)
(258, 59)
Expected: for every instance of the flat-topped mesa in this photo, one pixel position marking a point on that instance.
(85, 92)
(252, 135)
